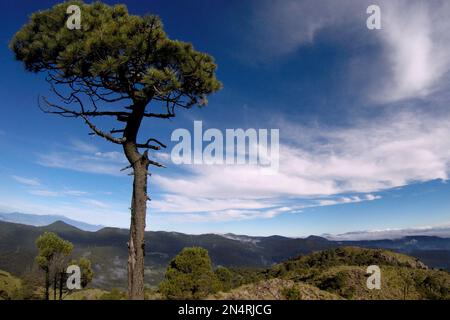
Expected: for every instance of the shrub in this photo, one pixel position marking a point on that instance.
(190, 276)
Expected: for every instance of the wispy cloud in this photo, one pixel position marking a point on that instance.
(228, 215)
(181, 203)
(95, 203)
(83, 147)
(75, 193)
(26, 181)
(43, 193)
(414, 56)
(280, 27)
(439, 231)
(37, 188)
(350, 199)
(417, 48)
(220, 210)
(368, 157)
(84, 157)
(321, 166)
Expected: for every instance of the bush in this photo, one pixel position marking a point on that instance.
(225, 277)
(340, 283)
(435, 287)
(291, 293)
(190, 276)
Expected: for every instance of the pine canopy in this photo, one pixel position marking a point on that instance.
(117, 52)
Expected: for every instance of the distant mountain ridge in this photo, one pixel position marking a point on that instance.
(107, 249)
(44, 220)
(391, 234)
(437, 231)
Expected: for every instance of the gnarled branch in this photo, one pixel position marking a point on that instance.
(66, 112)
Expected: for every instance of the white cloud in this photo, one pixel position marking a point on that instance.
(111, 155)
(75, 193)
(280, 27)
(414, 59)
(350, 199)
(26, 181)
(83, 147)
(374, 155)
(438, 231)
(164, 156)
(81, 163)
(228, 215)
(86, 158)
(95, 203)
(417, 46)
(38, 189)
(322, 166)
(181, 203)
(369, 157)
(220, 210)
(43, 193)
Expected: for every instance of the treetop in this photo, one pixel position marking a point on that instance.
(115, 52)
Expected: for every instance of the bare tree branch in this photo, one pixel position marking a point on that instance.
(101, 133)
(65, 112)
(156, 164)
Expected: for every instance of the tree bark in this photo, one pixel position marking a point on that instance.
(47, 284)
(136, 245)
(61, 284)
(55, 281)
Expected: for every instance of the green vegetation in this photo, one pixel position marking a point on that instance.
(86, 294)
(114, 294)
(225, 277)
(9, 286)
(105, 250)
(275, 289)
(190, 276)
(87, 274)
(342, 271)
(331, 274)
(52, 259)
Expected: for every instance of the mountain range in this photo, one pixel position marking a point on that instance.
(442, 231)
(44, 220)
(437, 231)
(107, 249)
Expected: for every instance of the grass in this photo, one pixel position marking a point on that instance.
(9, 286)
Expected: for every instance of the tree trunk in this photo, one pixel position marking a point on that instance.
(136, 244)
(61, 284)
(55, 282)
(47, 284)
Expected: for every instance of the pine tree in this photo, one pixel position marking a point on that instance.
(190, 276)
(53, 253)
(124, 68)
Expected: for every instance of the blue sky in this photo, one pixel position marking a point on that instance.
(364, 121)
